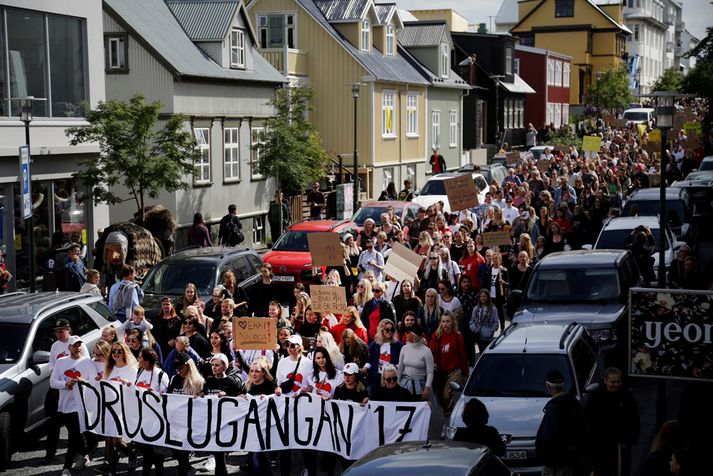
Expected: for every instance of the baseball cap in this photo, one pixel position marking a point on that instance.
(351, 368)
(525, 215)
(61, 323)
(180, 359)
(554, 377)
(74, 340)
(295, 339)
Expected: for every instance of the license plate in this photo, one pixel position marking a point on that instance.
(516, 454)
(284, 279)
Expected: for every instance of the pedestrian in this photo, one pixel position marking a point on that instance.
(198, 234)
(484, 320)
(263, 291)
(316, 202)
(376, 310)
(383, 350)
(416, 366)
(450, 360)
(371, 260)
(229, 230)
(125, 295)
(278, 215)
(389, 389)
(75, 274)
(92, 284)
(121, 367)
(5, 275)
(388, 194)
(561, 443)
(670, 437)
(150, 378)
(406, 195)
(260, 384)
(475, 416)
(437, 162)
(531, 136)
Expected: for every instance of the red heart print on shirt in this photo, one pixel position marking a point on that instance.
(143, 385)
(295, 388)
(324, 388)
(385, 357)
(72, 374)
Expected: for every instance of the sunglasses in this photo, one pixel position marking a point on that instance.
(132, 341)
(188, 323)
(378, 291)
(293, 346)
(117, 352)
(388, 329)
(391, 379)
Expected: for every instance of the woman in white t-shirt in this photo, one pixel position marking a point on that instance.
(151, 378)
(120, 367)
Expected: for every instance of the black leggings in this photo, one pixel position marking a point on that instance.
(75, 440)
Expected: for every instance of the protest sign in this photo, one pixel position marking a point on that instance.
(543, 165)
(325, 249)
(461, 192)
(247, 423)
(670, 333)
(497, 238)
(591, 143)
(403, 263)
(512, 157)
(254, 333)
(328, 299)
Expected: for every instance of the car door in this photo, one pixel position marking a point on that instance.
(38, 374)
(247, 271)
(586, 369)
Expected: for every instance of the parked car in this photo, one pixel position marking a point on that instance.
(509, 378)
(706, 164)
(647, 200)
(538, 150)
(639, 115)
(26, 335)
(203, 267)
(588, 287)
(434, 190)
(491, 172)
(700, 175)
(405, 211)
(290, 258)
(429, 458)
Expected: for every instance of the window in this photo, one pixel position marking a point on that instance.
(445, 60)
(237, 48)
(558, 73)
(365, 35)
(550, 113)
(412, 115)
(388, 99)
(231, 154)
(79, 320)
(520, 107)
(202, 135)
(256, 140)
(565, 114)
(508, 61)
(390, 37)
(565, 74)
(564, 8)
(558, 114)
(388, 178)
(411, 174)
(550, 72)
(43, 55)
(436, 128)
(453, 128)
(115, 52)
(527, 40)
(516, 69)
(258, 230)
(271, 30)
(636, 32)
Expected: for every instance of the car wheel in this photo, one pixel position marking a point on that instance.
(5, 429)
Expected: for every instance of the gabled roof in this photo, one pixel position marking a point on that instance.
(388, 11)
(452, 81)
(344, 10)
(508, 13)
(423, 33)
(155, 27)
(591, 3)
(392, 68)
(204, 20)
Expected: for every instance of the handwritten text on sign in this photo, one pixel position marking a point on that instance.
(326, 249)
(328, 299)
(497, 238)
(254, 333)
(461, 192)
(211, 424)
(403, 263)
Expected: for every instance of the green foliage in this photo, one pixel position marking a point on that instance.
(612, 90)
(670, 80)
(565, 137)
(291, 149)
(134, 152)
(699, 79)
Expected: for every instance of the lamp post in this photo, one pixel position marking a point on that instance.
(355, 95)
(665, 109)
(599, 104)
(26, 117)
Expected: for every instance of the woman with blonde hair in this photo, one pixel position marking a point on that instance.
(190, 298)
(350, 320)
(525, 244)
(187, 381)
(121, 367)
(430, 316)
(325, 339)
(383, 350)
(367, 232)
(353, 250)
(353, 348)
(230, 284)
(363, 294)
(302, 302)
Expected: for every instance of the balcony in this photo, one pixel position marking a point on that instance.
(296, 60)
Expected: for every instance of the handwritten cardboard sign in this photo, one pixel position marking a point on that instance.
(461, 192)
(512, 157)
(254, 333)
(591, 143)
(325, 248)
(492, 239)
(328, 299)
(403, 263)
(543, 165)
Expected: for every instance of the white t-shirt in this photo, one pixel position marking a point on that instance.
(322, 385)
(60, 349)
(67, 369)
(285, 368)
(155, 379)
(494, 276)
(123, 374)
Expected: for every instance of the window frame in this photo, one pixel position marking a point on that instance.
(558, 73)
(255, 132)
(124, 39)
(445, 60)
(204, 164)
(234, 152)
(453, 128)
(566, 71)
(390, 39)
(263, 29)
(564, 8)
(508, 60)
(259, 235)
(365, 34)
(388, 96)
(411, 114)
(436, 128)
(237, 47)
(550, 72)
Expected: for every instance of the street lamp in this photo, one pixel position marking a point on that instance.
(355, 95)
(599, 104)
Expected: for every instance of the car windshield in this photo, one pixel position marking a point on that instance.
(675, 210)
(294, 240)
(516, 375)
(574, 285)
(705, 165)
(12, 341)
(172, 278)
(372, 212)
(434, 187)
(616, 239)
(636, 116)
(480, 182)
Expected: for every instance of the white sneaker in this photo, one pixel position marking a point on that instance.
(80, 462)
(66, 472)
(209, 465)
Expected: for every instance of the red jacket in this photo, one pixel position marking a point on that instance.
(472, 266)
(339, 329)
(449, 352)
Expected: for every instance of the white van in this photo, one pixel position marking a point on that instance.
(639, 115)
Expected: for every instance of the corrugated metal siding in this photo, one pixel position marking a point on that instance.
(422, 35)
(341, 10)
(383, 10)
(350, 31)
(240, 99)
(204, 21)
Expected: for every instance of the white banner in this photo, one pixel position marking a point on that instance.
(245, 423)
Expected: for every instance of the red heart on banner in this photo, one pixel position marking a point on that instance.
(324, 387)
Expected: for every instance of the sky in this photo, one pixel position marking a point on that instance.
(697, 14)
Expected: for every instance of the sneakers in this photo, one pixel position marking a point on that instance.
(209, 465)
(66, 472)
(133, 457)
(80, 462)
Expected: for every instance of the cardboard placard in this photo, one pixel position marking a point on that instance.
(497, 238)
(543, 165)
(591, 143)
(403, 263)
(655, 136)
(512, 157)
(461, 192)
(326, 249)
(254, 333)
(696, 126)
(328, 299)
(620, 123)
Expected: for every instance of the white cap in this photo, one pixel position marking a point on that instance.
(222, 358)
(351, 368)
(295, 339)
(74, 340)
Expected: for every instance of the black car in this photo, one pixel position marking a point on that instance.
(646, 201)
(203, 267)
(424, 458)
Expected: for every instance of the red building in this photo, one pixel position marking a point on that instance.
(548, 73)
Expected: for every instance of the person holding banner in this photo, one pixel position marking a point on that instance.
(121, 368)
(259, 384)
(383, 350)
(151, 378)
(390, 390)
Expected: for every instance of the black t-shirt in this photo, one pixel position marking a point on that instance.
(267, 387)
(396, 394)
(176, 385)
(343, 393)
(229, 385)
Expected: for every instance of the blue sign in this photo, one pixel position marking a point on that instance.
(25, 185)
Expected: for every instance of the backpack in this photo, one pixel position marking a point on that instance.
(233, 234)
(124, 297)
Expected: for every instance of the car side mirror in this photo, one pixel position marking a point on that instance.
(455, 386)
(587, 247)
(40, 357)
(591, 388)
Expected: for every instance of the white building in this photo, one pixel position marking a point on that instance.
(648, 41)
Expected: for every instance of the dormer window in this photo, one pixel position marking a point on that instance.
(365, 35)
(237, 48)
(390, 39)
(272, 29)
(445, 60)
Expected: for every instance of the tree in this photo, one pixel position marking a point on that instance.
(134, 151)
(290, 148)
(699, 79)
(612, 90)
(670, 80)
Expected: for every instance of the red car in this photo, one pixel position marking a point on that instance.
(290, 258)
